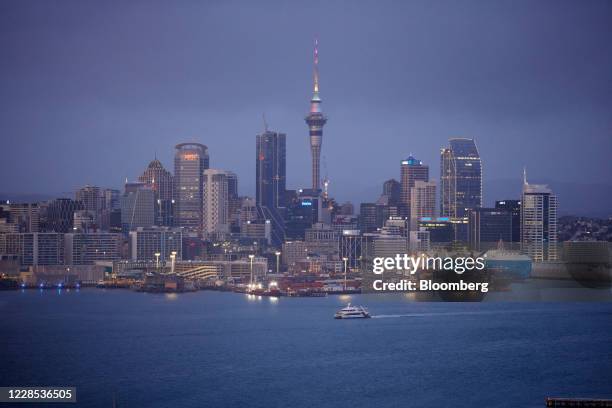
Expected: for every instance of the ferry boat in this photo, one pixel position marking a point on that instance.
(506, 264)
(352, 312)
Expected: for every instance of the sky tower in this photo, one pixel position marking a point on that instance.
(315, 121)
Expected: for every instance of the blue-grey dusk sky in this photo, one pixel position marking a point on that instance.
(92, 90)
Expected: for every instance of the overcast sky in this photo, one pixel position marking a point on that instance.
(91, 91)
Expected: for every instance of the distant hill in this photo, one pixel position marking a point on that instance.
(32, 197)
(581, 199)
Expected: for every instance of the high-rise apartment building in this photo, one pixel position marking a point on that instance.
(34, 248)
(190, 161)
(215, 210)
(87, 248)
(539, 222)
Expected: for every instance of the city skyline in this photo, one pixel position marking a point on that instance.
(123, 147)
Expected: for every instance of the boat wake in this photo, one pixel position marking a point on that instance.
(492, 312)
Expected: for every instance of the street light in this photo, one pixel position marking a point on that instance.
(172, 259)
(157, 255)
(345, 259)
(251, 256)
(277, 253)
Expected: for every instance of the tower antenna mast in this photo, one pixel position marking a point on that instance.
(265, 122)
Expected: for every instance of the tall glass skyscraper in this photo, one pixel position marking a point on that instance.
(460, 178)
(190, 161)
(270, 169)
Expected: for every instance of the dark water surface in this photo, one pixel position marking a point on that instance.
(211, 349)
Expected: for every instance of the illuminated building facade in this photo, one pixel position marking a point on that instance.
(190, 161)
(460, 178)
(460, 183)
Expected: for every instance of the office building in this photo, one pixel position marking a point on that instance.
(110, 199)
(460, 183)
(59, 216)
(91, 199)
(26, 216)
(347, 209)
(460, 178)
(257, 230)
(294, 251)
(422, 201)
(248, 210)
(146, 242)
(420, 240)
(234, 202)
(270, 181)
(392, 189)
(270, 169)
(161, 182)
(411, 171)
(487, 226)
(345, 222)
(303, 211)
(137, 206)
(441, 229)
(84, 221)
(190, 161)
(514, 206)
(323, 240)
